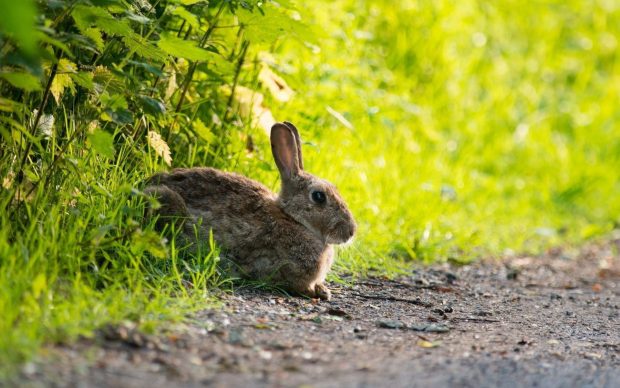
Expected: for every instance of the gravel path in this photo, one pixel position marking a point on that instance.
(551, 321)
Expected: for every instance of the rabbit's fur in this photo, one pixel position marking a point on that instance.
(284, 238)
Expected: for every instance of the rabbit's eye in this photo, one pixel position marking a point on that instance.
(318, 196)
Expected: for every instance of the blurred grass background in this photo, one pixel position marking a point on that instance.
(477, 128)
(454, 131)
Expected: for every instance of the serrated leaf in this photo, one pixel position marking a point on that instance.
(66, 66)
(84, 79)
(85, 17)
(94, 34)
(189, 17)
(160, 146)
(269, 24)
(63, 80)
(103, 143)
(180, 48)
(143, 48)
(25, 81)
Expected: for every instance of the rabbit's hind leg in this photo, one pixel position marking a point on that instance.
(171, 210)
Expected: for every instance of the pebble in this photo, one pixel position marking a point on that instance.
(391, 324)
(430, 328)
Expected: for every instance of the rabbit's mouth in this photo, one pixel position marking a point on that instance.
(340, 234)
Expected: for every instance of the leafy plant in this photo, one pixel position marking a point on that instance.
(96, 96)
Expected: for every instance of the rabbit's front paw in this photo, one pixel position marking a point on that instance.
(322, 291)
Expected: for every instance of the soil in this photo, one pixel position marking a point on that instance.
(550, 321)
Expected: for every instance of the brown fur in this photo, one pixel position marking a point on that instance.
(284, 238)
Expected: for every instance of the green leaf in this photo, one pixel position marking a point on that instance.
(84, 79)
(46, 38)
(187, 49)
(87, 16)
(107, 81)
(149, 241)
(7, 105)
(189, 17)
(201, 130)
(137, 18)
(190, 2)
(60, 83)
(103, 143)
(151, 105)
(94, 34)
(63, 80)
(270, 24)
(17, 20)
(25, 81)
(119, 116)
(148, 67)
(113, 101)
(143, 48)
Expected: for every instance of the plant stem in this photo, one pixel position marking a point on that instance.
(240, 61)
(42, 105)
(192, 69)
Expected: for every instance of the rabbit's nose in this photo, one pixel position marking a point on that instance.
(352, 228)
(345, 230)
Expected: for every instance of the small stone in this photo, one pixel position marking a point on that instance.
(391, 324)
(450, 277)
(512, 274)
(265, 355)
(29, 369)
(430, 328)
(235, 336)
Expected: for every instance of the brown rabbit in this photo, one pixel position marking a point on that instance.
(283, 238)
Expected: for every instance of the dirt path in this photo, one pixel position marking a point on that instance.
(549, 321)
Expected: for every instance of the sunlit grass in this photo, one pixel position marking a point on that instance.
(475, 129)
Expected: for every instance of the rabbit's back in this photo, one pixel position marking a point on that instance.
(207, 187)
(243, 215)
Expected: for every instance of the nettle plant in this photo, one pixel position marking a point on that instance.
(114, 86)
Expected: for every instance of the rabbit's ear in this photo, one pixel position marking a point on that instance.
(284, 149)
(298, 141)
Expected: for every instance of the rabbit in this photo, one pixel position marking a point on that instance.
(285, 238)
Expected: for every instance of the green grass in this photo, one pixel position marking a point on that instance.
(477, 129)
(469, 130)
